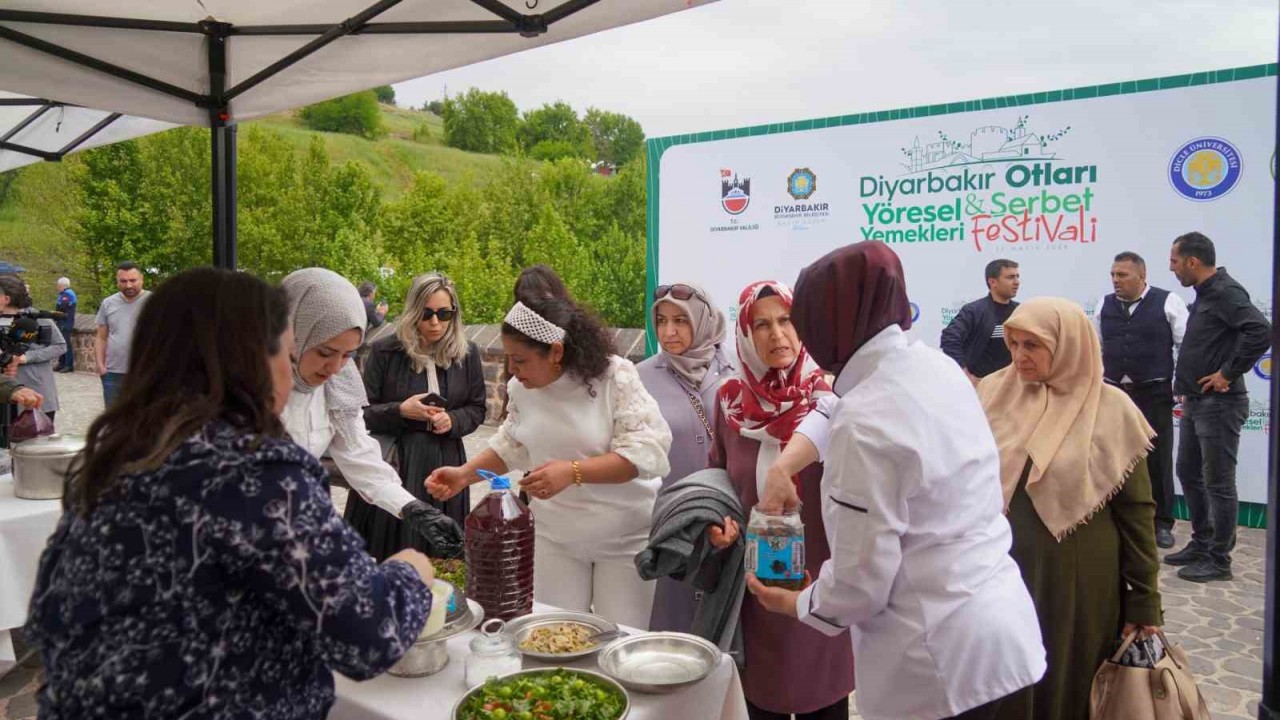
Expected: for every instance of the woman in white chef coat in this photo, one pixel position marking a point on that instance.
(594, 444)
(913, 509)
(324, 413)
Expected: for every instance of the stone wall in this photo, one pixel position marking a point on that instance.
(629, 342)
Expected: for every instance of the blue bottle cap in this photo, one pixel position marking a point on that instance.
(496, 481)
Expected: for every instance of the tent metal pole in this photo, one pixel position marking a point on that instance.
(44, 18)
(448, 27)
(23, 149)
(101, 66)
(346, 27)
(222, 137)
(13, 131)
(84, 136)
(1269, 707)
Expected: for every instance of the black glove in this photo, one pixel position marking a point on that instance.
(443, 536)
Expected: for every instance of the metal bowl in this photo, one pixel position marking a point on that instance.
(659, 662)
(596, 678)
(521, 627)
(429, 655)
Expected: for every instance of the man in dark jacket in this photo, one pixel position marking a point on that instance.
(1226, 335)
(975, 337)
(375, 313)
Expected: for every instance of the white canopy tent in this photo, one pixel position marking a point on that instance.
(144, 65)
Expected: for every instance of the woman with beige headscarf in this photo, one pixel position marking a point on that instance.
(1078, 496)
(684, 377)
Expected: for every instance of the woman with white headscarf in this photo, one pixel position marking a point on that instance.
(683, 378)
(324, 413)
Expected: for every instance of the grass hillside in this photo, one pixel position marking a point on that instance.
(414, 142)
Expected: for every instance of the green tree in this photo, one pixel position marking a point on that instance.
(554, 131)
(386, 94)
(355, 114)
(618, 138)
(436, 107)
(482, 122)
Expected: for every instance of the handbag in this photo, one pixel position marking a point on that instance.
(1164, 692)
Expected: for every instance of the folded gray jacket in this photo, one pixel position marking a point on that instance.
(678, 548)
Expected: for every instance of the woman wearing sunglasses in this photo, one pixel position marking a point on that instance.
(426, 392)
(324, 411)
(683, 377)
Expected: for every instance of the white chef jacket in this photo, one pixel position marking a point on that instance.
(306, 417)
(920, 571)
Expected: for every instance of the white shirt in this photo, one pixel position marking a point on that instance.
(562, 421)
(920, 568)
(1175, 313)
(306, 417)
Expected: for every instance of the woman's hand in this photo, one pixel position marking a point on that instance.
(27, 398)
(1144, 631)
(443, 483)
(779, 491)
(418, 562)
(441, 420)
(548, 479)
(721, 538)
(773, 599)
(413, 409)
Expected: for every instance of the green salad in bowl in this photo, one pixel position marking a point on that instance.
(548, 694)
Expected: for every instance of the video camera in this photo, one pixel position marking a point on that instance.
(22, 330)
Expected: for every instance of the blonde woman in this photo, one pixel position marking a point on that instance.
(426, 392)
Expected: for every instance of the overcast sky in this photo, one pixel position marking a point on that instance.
(748, 62)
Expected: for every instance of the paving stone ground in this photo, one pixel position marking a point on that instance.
(1219, 624)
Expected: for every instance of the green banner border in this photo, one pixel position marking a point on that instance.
(1251, 514)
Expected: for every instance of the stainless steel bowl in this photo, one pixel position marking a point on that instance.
(521, 627)
(606, 683)
(659, 662)
(430, 654)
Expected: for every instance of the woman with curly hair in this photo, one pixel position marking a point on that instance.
(595, 446)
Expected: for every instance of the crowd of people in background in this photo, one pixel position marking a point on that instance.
(983, 518)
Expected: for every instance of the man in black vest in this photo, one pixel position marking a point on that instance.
(975, 336)
(1226, 335)
(1141, 327)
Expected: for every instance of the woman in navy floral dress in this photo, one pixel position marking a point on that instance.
(199, 569)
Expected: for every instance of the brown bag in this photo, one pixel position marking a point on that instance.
(1165, 692)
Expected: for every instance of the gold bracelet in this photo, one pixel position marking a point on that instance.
(577, 473)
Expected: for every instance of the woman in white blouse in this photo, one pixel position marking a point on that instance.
(324, 413)
(595, 446)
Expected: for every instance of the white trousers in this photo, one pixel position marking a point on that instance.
(598, 577)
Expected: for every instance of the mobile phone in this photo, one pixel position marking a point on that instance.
(435, 399)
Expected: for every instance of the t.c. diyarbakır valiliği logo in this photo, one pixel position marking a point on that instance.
(735, 193)
(1205, 169)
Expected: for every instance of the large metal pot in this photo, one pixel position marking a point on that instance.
(40, 465)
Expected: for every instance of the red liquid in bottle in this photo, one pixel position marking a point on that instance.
(499, 547)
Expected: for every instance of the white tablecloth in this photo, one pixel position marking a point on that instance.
(432, 698)
(25, 526)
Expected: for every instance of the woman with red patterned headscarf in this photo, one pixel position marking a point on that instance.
(790, 668)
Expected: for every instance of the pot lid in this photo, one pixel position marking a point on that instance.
(49, 446)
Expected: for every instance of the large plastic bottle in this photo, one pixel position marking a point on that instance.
(499, 547)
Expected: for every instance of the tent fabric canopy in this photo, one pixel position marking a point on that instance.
(362, 44)
(35, 129)
(76, 74)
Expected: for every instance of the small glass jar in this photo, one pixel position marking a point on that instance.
(493, 653)
(775, 548)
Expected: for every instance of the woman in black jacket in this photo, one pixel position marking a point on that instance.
(428, 355)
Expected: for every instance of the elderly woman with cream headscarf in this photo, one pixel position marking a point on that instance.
(684, 377)
(324, 412)
(1074, 476)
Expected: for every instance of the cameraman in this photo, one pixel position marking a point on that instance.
(34, 369)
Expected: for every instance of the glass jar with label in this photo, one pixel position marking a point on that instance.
(775, 548)
(493, 654)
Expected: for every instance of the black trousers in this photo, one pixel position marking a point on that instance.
(1155, 400)
(838, 711)
(1207, 451)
